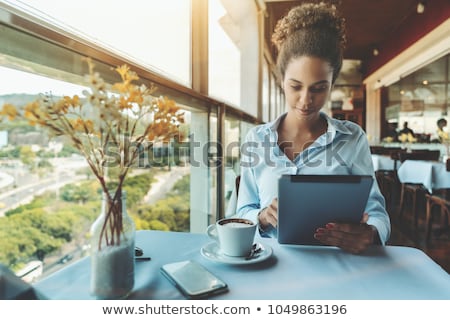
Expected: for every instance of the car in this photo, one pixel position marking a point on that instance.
(66, 258)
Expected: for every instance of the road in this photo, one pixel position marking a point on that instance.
(28, 186)
(165, 180)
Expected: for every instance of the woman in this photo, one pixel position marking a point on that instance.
(304, 140)
(441, 133)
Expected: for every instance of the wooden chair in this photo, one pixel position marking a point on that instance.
(439, 199)
(387, 179)
(412, 191)
(232, 203)
(389, 187)
(428, 155)
(384, 150)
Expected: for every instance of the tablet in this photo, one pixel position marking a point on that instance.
(308, 202)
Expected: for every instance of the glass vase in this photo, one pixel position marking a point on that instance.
(112, 249)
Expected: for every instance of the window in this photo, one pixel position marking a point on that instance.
(36, 188)
(265, 92)
(224, 55)
(49, 196)
(135, 28)
(420, 99)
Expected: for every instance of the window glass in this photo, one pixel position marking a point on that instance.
(211, 162)
(273, 98)
(224, 55)
(135, 28)
(49, 196)
(265, 92)
(231, 155)
(420, 99)
(32, 178)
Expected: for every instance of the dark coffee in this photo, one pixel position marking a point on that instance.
(236, 223)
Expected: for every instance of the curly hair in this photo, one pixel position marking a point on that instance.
(311, 29)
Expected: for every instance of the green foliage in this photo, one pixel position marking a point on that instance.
(68, 150)
(172, 211)
(17, 125)
(25, 236)
(37, 203)
(158, 225)
(27, 156)
(44, 164)
(136, 187)
(40, 228)
(10, 152)
(80, 193)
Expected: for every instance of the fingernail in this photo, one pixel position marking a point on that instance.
(320, 230)
(329, 225)
(317, 235)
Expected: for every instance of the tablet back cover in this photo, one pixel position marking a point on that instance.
(307, 202)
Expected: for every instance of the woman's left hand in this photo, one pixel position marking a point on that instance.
(354, 238)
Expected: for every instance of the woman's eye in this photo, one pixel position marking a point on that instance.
(296, 88)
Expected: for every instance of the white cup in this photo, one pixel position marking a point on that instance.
(235, 236)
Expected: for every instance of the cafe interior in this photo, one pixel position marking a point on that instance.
(216, 60)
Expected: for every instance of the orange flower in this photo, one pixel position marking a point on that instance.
(9, 110)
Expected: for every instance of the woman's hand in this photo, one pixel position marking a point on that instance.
(269, 216)
(354, 238)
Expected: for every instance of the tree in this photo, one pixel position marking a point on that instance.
(27, 156)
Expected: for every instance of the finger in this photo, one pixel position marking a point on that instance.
(365, 217)
(269, 217)
(351, 228)
(347, 244)
(359, 233)
(273, 217)
(274, 204)
(349, 241)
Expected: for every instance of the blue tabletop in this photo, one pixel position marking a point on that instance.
(292, 272)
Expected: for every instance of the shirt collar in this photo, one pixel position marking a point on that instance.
(334, 125)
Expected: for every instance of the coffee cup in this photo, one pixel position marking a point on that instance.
(235, 236)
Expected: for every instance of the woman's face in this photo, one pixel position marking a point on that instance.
(307, 85)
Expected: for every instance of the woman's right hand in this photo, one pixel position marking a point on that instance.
(269, 215)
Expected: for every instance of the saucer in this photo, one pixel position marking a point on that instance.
(212, 252)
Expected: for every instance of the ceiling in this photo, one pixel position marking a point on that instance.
(369, 23)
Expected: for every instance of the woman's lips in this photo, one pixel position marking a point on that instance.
(304, 111)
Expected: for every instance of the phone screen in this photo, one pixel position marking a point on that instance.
(193, 279)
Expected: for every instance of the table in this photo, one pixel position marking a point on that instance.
(432, 174)
(292, 272)
(383, 162)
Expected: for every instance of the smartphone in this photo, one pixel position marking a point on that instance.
(193, 279)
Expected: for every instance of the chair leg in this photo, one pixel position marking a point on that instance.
(414, 209)
(402, 202)
(429, 221)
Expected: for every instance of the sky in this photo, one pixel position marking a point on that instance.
(153, 33)
(34, 84)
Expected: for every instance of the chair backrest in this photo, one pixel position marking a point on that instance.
(237, 182)
(430, 155)
(232, 203)
(384, 150)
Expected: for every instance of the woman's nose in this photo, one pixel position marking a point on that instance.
(305, 98)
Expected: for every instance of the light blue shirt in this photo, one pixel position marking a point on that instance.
(343, 149)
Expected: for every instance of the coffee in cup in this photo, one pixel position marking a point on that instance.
(235, 236)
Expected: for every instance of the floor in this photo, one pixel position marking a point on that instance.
(404, 234)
